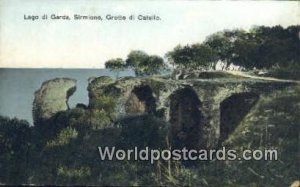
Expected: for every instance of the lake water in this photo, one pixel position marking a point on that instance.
(17, 87)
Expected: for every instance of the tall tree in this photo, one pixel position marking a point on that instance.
(222, 45)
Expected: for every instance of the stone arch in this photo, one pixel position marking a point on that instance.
(232, 111)
(140, 101)
(186, 118)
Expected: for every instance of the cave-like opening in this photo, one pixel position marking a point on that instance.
(232, 111)
(141, 101)
(186, 118)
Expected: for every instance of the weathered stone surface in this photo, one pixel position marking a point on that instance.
(140, 101)
(199, 110)
(158, 98)
(52, 97)
(186, 119)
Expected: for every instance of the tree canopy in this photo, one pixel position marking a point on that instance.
(268, 48)
(259, 48)
(140, 62)
(194, 56)
(116, 65)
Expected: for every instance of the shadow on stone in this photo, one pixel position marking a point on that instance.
(232, 111)
(141, 101)
(186, 119)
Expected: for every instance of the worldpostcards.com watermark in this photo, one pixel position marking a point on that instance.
(146, 154)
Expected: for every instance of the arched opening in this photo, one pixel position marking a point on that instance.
(140, 101)
(232, 110)
(186, 119)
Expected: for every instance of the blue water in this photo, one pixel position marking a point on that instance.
(17, 87)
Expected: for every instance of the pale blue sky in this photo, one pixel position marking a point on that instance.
(88, 44)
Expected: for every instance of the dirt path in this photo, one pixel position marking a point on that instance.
(243, 74)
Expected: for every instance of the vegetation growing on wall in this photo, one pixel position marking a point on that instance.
(70, 156)
(64, 149)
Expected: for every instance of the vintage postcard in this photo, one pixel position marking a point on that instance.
(150, 93)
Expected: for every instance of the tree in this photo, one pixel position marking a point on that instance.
(179, 57)
(116, 65)
(15, 150)
(135, 58)
(245, 51)
(198, 56)
(153, 65)
(204, 56)
(261, 47)
(143, 64)
(222, 46)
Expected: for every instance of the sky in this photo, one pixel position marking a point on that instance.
(89, 43)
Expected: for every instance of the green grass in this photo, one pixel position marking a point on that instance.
(272, 123)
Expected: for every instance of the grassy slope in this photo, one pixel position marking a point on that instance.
(273, 123)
